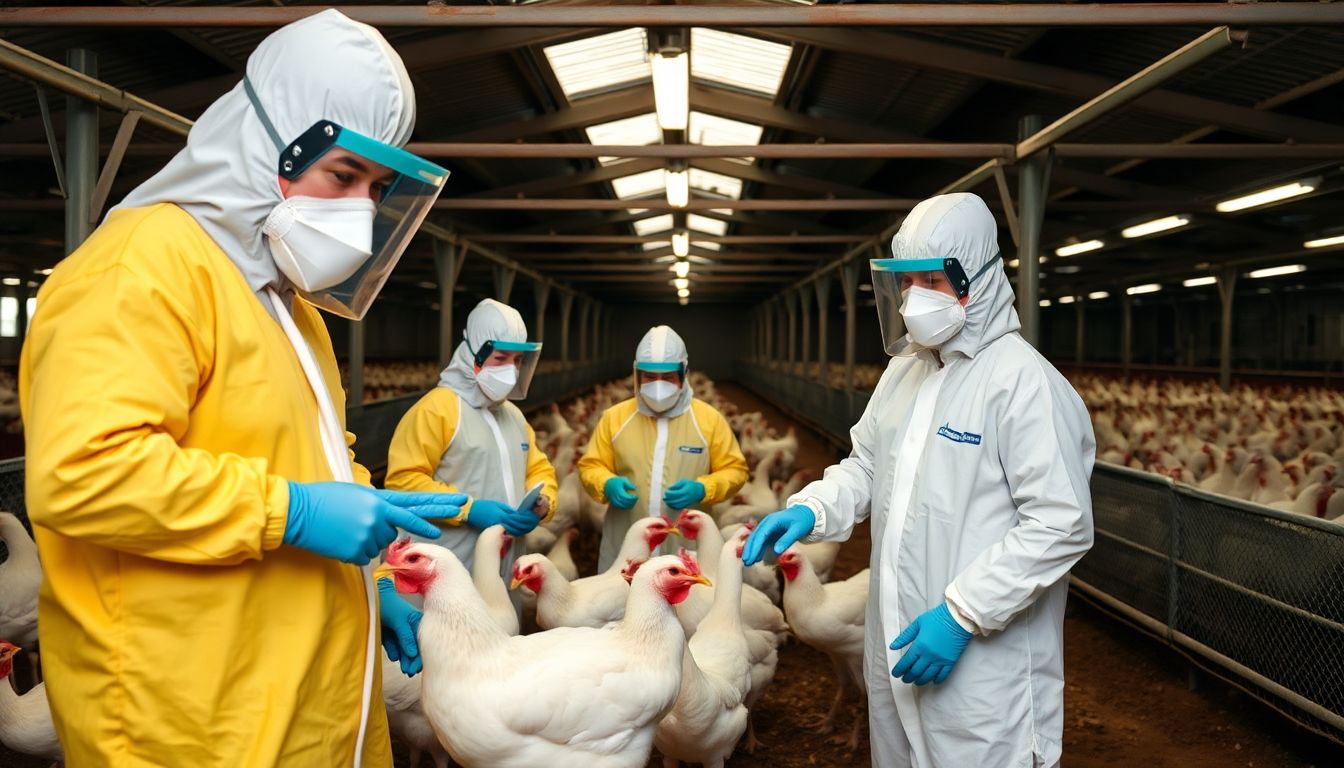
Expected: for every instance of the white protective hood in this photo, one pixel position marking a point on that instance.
(960, 226)
(323, 67)
(490, 321)
(663, 345)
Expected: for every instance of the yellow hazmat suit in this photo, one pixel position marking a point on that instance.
(165, 411)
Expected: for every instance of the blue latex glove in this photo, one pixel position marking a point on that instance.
(784, 529)
(353, 523)
(620, 492)
(487, 512)
(684, 494)
(938, 641)
(401, 627)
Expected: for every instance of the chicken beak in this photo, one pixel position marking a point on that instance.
(703, 580)
(515, 583)
(674, 531)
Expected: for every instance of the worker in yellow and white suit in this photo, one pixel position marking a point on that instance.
(201, 521)
(661, 451)
(465, 436)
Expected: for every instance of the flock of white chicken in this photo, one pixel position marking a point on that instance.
(1279, 446)
(661, 651)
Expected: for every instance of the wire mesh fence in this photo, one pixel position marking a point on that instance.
(1253, 593)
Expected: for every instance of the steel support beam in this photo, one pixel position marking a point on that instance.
(1126, 333)
(849, 283)
(1227, 289)
(1079, 333)
(627, 102)
(804, 151)
(541, 294)
(773, 15)
(594, 347)
(566, 304)
(597, 175)
(805, 296)
(822, 289)
(81, 148)
(656, 237)
(660, 204)
(1031, 215)
(448, 260)
(585, 308)
(503, 281)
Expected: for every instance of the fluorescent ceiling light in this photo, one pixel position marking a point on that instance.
(1153, 227)
(630, 131)
(705, 224)
(1324, 242)
(682, 268)
(684, 300)
(709, 246)
(427, 285)
(1068, 269)
(654, 245)
(1099, 295)
(738, 61)
(672, 90)
(638, 185)
(716, 184)
(1066, 299)
(1076, 248)
(656, 224)
(1146, 288)
(1289, 269)
(1045, 302)
(1266, 196)
(44, 271)
(683, 293)
(678, 188)
(712, 130)
(601, 62)
(1195, 282)
(681, 283)
(681, 244)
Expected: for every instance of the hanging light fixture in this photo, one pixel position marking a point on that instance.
(682, 268)
(681, 244)
(678, 184)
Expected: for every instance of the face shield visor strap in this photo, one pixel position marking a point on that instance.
(262, 116)
(530, 352)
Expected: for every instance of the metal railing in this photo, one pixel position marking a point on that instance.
(1253, 594)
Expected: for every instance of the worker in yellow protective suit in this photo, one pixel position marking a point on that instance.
(661, 451)
(465, 436)
(204, 528)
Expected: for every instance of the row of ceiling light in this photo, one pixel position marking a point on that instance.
(1194, 282)
(1255, 199)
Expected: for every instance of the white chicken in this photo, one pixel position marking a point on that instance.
(595, 601)
(828, 617)
(21, 576)
(25, 721)
(566, 698)
(486, 563)
(761, 576)
(562, 557)
(710, 714)
(406, 718)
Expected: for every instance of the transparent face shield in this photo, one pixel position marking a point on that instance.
(676, 368)
(403, 195)
(893, 277)
(523, 355)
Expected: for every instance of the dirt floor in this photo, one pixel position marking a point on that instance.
(1127, 701)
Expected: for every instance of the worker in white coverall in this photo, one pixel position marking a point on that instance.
(973, 459)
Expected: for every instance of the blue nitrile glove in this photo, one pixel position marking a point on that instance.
(487, 512)
(938, 642)
(401, 627)
(784, 529)
(353, 523)
(620, 492)
(684, 493)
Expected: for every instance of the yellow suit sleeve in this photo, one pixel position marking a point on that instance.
(598, 464)
(540, 470)
(111, 380)
(361, 472)
(727, 467)
(418, 444)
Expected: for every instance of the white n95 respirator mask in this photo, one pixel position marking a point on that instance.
(320, 242)
(497, 381)
(931, 317)
(660, 395)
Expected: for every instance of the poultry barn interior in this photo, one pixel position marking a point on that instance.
(1166, 183)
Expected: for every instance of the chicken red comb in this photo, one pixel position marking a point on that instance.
(750, 525)
(689, 561)
(398, 548)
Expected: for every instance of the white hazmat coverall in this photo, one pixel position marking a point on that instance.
(995, 469)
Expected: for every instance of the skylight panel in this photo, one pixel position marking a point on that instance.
(706, 225)
(716, 183)
(639, 184)
(738, 61)
(655, 245)
(712, 130)
(633, 131)
(600, 63)
(656, 224)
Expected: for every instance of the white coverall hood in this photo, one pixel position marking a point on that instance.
(663, 345)
(975, 474)
(960, 226)
(490, 321)
(326, 66)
